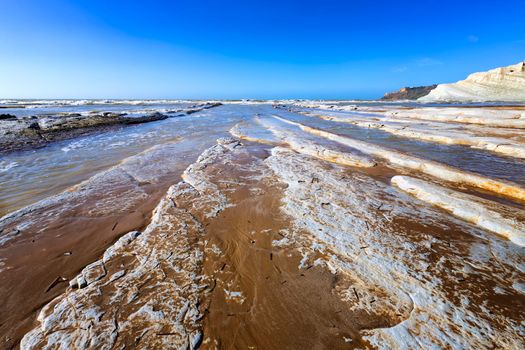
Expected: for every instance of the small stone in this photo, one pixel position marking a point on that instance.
(73, 283)
(34, 126)
(7, 117)
(81, 282)
(93, 272)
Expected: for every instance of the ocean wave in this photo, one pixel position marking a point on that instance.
(74, 145)
(5, 165)
(46, 103)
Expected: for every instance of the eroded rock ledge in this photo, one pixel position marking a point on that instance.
(144, 291)
(408, 93)
(499, 84)
(32, 132)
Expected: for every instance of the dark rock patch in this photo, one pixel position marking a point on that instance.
(7, 117)
(408, 93)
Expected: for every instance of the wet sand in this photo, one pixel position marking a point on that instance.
(44, 262)
(281, 306)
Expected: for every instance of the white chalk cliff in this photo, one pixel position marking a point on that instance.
(506, 84)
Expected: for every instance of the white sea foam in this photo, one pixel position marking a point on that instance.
(76, 145)
(6, 166)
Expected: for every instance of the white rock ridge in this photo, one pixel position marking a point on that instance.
(501, 84)
(144, 291)
(439, 133)
(432, 168)
(464, 206)
(300, 142)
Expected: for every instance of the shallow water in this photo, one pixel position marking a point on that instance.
(29, 176)
(477, 161)
(37, 108)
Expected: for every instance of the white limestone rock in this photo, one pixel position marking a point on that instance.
(144, 291)
(432, 168)
(505, 84)
(464, 206)
(301, 142)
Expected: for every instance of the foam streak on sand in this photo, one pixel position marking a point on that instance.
(432, 168)
(5, 166)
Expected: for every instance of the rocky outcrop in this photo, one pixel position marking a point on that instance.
(7, 117)
(362, 226)
(490, 117)
(144, 291)
(506, 84)
(405, 161)
(439, 133)
(408, 93)
(300, 142)
(250, 235)
(32, 132)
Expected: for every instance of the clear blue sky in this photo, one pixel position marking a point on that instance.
(249, 49)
